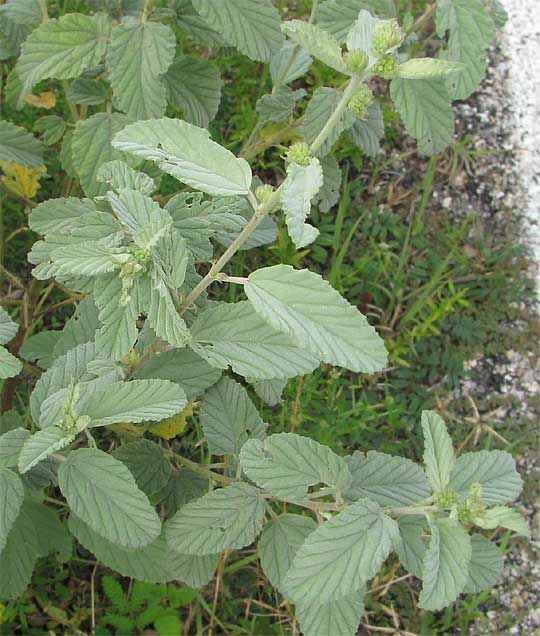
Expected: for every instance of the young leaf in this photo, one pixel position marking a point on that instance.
(19, 146)
(317, 42)
(287, 464)
(135, 401)
(486, 565)
(301, 186)
(341, 555)
(235, 335)
(162, 315)
(11, 496)
(342, 616)
(62, 48)
(194, 84)
(59, 215)
(338, 16)
(288, 64)
(250, 25)
(427, 67)
(227, 414)
(147, 463)
(303, 305)
(494, 470)
(187, 153)
(360, 37)
(503, 517)
(425, 109)
(279, 543)
(390, 481)
(438, 450)
(445, 567)
(140, 52)
(11, 443)
(320, 108)
(329, 195)
(230, 517)
(102, 492)
(42, 444)
(120, 176)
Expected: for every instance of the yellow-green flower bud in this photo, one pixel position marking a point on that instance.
(356, 61)
(446, 499)
(299, 153)
(264, 193)
(386, 67)
(387, 35)
(360, 101)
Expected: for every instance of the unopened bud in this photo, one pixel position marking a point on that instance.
(356, 61)
(386, 67)
(299, 153)
(360, 101)
(387, 35)
(264, 193)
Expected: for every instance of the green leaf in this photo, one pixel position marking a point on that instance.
(229, 517)
(53, 535)
(338, 16)
(62, 48)
(253, 26)
(319, 43)
(235, 335)
(140, 52)
(87, 92)
(438, 450)
(227, 414)
(119, 176)
(390, 481)
(412, 543)
(287, 465)
(11, 443)
(360, 37)
(10, 366)
(279, 542)
(494, 470)
(269, 390)
(52, 128)
(303, 305)
(11, 496)
(187, 153)
(163, 316)
(91, 148)
(59, 215)
(8, 327)
(147, 463)
(19, 146)
(503, 517)
(289, 63)
(427, 67)
(330, 193)
(191, 23)
(425, 109)
(102, 492)
(320, 108)
(153, 563)
(342, 616)
(486, 565)
(278, 107)
(367, 133)
(183, 486)
(445, 568)
(194, 84)
(135, 401)
(341, 555)
(302, 185)
(42, 444)
(182, 366)
(92, 258)
(40, 347)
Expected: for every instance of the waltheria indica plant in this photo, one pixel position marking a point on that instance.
(146, 346)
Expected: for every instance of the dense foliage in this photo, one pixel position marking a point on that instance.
(146, 347)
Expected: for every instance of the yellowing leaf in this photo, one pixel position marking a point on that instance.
(46, 99)
(171, 426)
(21, 179)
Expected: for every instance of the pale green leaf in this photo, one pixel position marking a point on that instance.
(39, 348)
(412, 543)
(147, 463)
(486, 565)
(11, 443)
(279, 542)
(342, 616)
(102, 492)
(10, 420)
(87, 92)
(53, 535)
(494, 470)
(52, 128)
(19, 146)
(140, 52)
(289, 63)
(229, 517)
(303, 305)
(92, 258)
(163, 316)
(388, 480)
(10, 366)
(227, 414)
(42, 444)
(59, 215)
(341, 555)
(317, 42)
(287, 465)
(119, 176)
(278, 107)
(135, 401)
(8, 327)
(329, 195)
(427, 67)
(439, 456)
(193, 25)
(270, 391)
(253, 26)
(302, 185)
(91, 147)
(445, 567)
(338, 16)
(462, 85)
(503, 517)
(425, 109)
(360, 37)
(235, 335)
(62, 48)
(187, 153)
(11, 496)
(367, 133)
(194, 84)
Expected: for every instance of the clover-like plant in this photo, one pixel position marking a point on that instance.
(147, 346)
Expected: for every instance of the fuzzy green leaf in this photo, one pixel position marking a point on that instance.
(19, 146)
(301, 187)
(367, 133)
(11, 443)
(503, 517)
(8, 327)
(486, 565)
(438, 450)
(412, 543)
(11, 496)
(427, 67)
(147, 463)
(317, 42)
(288, 64)
(10, 366)
(342, 616)
(42, 444)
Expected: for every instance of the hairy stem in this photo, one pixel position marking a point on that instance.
(201, 469)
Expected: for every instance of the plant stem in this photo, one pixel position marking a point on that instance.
(43, 10)
(202, 470)
(430, 10)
